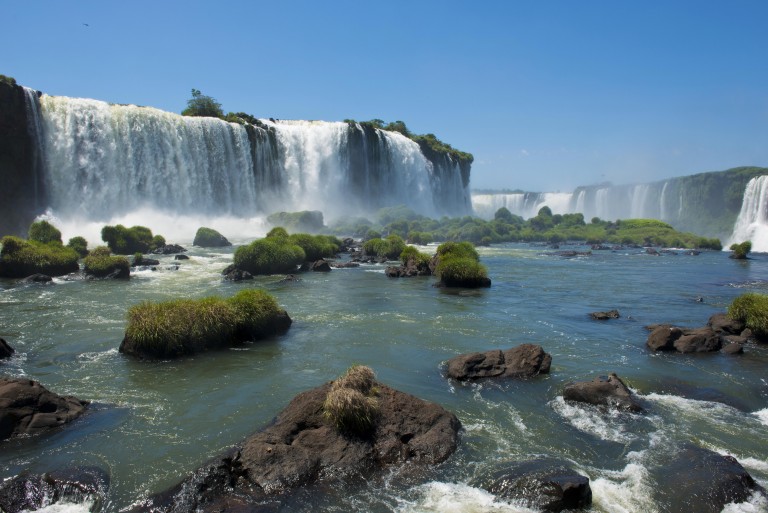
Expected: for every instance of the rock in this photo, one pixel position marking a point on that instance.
(603, 391)
(663, 337)
(301, 446)
(542, 486)
(600, 247)
(169, 249)
(210, 238)
(28, 408)
(181, 257)
(733, 348)
(6, 351)
(320, 266)
(720, 323)
(700, 340)
(144, 261)
(705, 481)
(37, 278)
(30, 492)
(523, 361)
(290, 278)
(345, 265)
(604, 316)
(232, 273)
(569, 254)
(652, 252)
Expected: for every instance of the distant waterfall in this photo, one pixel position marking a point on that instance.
(35, 129)
(102, 159)
(752, 223)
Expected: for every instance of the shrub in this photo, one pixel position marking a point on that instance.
(100, 263)
(202, 105)
(209, 238)
(80, 245)
(20, 258)
(271, 255)
(185, 326)
(351, 404)
(390, 247)
(740, 251)
(45, 232)
(458, 249)
(462, 272)
(315, 246)
(126, 241)
(752, 310)
(411, 253)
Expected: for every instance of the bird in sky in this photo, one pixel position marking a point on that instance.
(86, 24)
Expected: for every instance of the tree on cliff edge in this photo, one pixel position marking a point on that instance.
(202, 105)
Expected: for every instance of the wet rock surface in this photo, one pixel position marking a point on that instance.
(523, 361)
(606, 391)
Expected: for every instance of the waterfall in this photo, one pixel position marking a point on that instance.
(34, 127)
(102, 160)
(752, 223)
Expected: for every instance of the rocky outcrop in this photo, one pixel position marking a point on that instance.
(320, 266)
(210, 238)
(720, 334)
(705, 481)
(606, 391)
(232, 273)
(28, 408)
(18, 163)
(523, 361)
(301, 446)
(409, 269)
(31, 492)
(141, 260)
(6, 351)
(38, 278)
(169, 249)
(543, 486)
(604, 316)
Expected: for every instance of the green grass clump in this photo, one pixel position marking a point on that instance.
(389, 247)
(45, 232)
(315, 246)
(100, 263)
(20, 258)
(459, 265)
(127, 241)
(351, 404)
(271, 255)
(411, 253)
(80, 245)
(740, 251)
(458, 249)
(185, 326)
(752, 310)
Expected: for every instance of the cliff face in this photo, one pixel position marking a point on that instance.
(18, 178)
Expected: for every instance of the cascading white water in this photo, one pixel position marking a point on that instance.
(104, 160)
(639, 199)
(35, 129)
(752, 223)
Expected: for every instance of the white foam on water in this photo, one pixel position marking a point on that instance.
(64, 507)
(624, 491)
(437, 497)
(591, 420)
(762, 415)
(704, 410)
(757, 503)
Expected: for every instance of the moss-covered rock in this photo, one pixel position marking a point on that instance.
(740, 251)
(80, 245)
(127, 241)
(210, 238)
(457, 264)
(186, 326)
(751, 309)
(100, 263)
(389, 247)
(20, 258)
(271, 255)
(45, 232)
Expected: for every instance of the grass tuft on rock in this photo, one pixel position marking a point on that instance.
(210, 238)
(20, 258)
(186, 326)
(389, 247)
(101, 264)
(752, 309)
(740, 251)
(271, 255)
(45, 232)
(351, 405)
(127, 241)
(458, 265)
(80, 245)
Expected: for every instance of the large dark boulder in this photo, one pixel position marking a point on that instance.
(169, 249)
(722, 324)
(301, 446)
(30, 492)
(543, 486)
(704, 481)
(523, 361)
(663, 337)
(6, 351)
(320, 266)
(603, 391)
(28, 408)
(232, 273)
(700, 340)
(604, 316)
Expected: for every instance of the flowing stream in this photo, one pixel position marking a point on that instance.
(152, 423)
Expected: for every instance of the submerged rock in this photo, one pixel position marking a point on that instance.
(523, 361)
(543, 486)
(169, 249)
(604, 316)
(232, 273)
(6, 351)
(28, 408)
(29, 492)
(607, 391)
(704, 481)
(38, 278)
(302, 446)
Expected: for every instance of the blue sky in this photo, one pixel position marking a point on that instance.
(547, 95)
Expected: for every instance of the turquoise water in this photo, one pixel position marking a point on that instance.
(151, 424)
